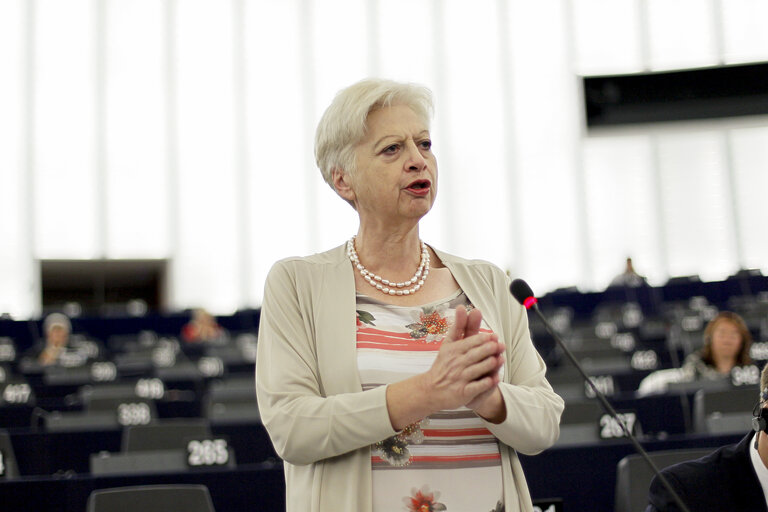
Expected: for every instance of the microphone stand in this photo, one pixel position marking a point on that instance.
(609, 408)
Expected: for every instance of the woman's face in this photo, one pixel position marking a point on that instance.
(726, 340)
(58, 336)
(396, 175)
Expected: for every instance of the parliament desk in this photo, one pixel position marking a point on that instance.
(584, 476)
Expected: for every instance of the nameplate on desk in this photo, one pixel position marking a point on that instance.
(548, 505)
(211, 366)
(7, 351)
(759, 351)
(644, 360)
(151, 387)
(103, 371)
(624, 341)
(19, 393)
(748, 375)
(603, 383)
(207, 452)
(133, 413)
(609, 428)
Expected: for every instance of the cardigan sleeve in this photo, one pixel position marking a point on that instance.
(533, 408)
(304, 425)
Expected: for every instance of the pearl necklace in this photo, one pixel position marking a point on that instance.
(385, 285)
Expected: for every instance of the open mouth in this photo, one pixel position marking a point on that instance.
(419, 186)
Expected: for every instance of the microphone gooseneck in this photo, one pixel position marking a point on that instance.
(523, 293)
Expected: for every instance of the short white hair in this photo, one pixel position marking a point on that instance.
(344, 122)
(56, 320)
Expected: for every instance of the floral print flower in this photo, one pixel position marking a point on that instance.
(430, 326)
(395, 449)
(424, 501)
(364, 317)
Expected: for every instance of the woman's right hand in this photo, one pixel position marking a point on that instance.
(467, 364)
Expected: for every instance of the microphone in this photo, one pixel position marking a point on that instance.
(523, 293)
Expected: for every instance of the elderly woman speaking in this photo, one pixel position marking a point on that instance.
(391, 375)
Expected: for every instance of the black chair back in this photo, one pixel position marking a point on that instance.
(151, 498)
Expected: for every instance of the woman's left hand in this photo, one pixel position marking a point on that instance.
(489, 405)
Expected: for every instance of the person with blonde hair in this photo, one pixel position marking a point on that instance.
(391, 375)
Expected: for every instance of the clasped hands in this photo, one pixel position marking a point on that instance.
(464, 373)
(466, 369)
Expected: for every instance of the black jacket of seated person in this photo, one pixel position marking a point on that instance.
(724, 480)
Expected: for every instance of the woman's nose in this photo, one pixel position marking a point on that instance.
(415, 160)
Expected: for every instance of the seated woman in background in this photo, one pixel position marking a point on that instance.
(726, 345)
(203, 327)
(56, 328)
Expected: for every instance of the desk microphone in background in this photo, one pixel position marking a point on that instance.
(524, 295)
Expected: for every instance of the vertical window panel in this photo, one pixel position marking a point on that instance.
(470, 149)
(406, 59)
(546, 137)
(65, 175)
(341, 48)
(280, 155)
(16, 264)
(696, 204)
(607, 37)
(205, 264)
(137, 187)
(745, 38)
(749, 148)
(621, 207)
(681, 34)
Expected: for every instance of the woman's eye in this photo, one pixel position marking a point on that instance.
(389, 150)
(426, 144)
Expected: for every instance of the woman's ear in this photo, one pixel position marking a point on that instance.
(343, 185)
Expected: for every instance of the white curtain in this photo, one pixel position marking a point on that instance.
(183, 129)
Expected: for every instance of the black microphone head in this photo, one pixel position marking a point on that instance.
(522, 293)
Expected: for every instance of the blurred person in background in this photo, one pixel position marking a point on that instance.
(57, 329)
(726, 345)
(629, 277)
(202, 328)
(727, 341)
(732, 478)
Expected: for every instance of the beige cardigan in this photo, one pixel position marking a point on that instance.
(310, 397)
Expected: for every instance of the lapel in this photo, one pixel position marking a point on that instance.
(743, 476)
(470, 283)
(479, 291)
(334, 297)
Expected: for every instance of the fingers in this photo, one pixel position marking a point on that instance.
(474, 318)
(465, 324)
(456, 332)
(487, 362)
(480, 386)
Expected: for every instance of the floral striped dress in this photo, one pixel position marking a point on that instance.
(448, 461)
